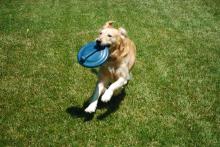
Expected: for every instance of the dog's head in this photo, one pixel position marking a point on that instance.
(110, 36)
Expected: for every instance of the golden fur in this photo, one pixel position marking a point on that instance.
(116, 69)
(122, 52)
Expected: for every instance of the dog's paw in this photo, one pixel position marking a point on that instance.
(91, 108)
(107, 95)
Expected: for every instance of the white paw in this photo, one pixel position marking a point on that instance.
(107, 95)
(91, 108)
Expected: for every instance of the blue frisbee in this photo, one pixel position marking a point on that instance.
(92, 55)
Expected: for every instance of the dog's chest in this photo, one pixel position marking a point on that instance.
(113, 73)
(111, 69)
(111, 66)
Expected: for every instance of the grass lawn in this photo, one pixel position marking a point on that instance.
(173, 99)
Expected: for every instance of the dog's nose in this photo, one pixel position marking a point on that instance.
(98, 41)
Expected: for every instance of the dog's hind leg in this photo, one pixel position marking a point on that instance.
(116, 85)
(94, 99)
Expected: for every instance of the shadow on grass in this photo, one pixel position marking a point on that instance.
(112, 106)
(78, 112)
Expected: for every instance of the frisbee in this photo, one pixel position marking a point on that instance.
(92, 55)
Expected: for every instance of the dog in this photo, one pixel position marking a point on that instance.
(116, 70)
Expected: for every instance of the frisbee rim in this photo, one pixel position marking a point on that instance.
(102, 56)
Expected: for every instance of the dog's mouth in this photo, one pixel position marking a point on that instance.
(101, 44)
(107, 45)
(101, 47)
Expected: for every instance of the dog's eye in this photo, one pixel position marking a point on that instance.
(109, 35)
(100, 33)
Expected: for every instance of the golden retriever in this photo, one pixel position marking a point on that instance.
(117, 68)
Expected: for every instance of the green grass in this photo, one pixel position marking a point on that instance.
(173, 99)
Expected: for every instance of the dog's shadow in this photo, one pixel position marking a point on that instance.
(111, 106)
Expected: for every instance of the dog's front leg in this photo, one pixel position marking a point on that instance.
(94, 99)
(109, 92)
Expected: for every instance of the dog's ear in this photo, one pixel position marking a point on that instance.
(108, 24)
(123, 32)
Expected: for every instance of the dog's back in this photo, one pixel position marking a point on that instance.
(131, 48)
